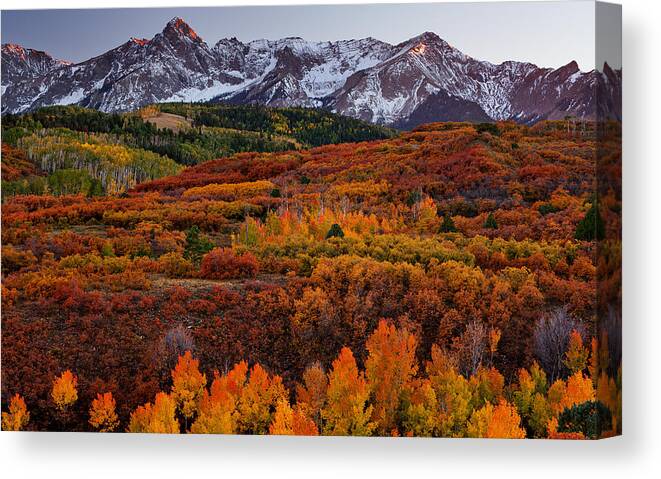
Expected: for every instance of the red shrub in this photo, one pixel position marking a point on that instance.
(223, 263)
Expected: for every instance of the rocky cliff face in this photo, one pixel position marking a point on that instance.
(421, 80)
(19, 63)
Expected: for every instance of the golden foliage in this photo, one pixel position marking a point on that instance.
(346, 411)
(576, 355)
(103, 417)
(390, 366)
(156, 418)
(17, 417)
(500, 421)
(288, 421)
(64, 392)
(187, 384)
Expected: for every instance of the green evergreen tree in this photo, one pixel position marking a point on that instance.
(196, 245)
(491, 222)
(335, 231)
(448, 225)
(591, 227)
(590, 418)
(414, 197)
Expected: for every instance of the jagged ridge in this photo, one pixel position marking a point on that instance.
(422, 79)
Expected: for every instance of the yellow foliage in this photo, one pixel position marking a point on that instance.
(157, 418)
(64, 392)
(230, 191)
(102, 413)
(347, 412)
(17, 417)
(288, 421)
(187, 384)
(501, 421)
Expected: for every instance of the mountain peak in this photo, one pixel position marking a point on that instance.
(422, 78)
(19, 51)
(429, 36)
(139, 41)
(12, 47)
(571, 67)
(178, 27)
(426, 38)
(420, 44)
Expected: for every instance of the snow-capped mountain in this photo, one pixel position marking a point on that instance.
(21, 63)
(293, 72)
(423, 79)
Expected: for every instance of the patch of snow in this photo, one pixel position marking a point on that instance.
(73, 97)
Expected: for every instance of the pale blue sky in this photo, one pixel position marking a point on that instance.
(547, 34)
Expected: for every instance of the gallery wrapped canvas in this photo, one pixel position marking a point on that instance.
(372, 220)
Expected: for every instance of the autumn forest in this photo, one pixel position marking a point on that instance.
(192, 268)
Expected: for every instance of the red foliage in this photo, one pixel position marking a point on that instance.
(224, 263)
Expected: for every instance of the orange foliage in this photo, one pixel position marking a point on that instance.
(346, 411)
(389, 368)
(156, 418)
(288, 421)
(102, 413)
(17, 417)
(187, 384)
(64, 392)
(500, 421)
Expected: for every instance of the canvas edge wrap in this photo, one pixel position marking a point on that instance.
(608, 61)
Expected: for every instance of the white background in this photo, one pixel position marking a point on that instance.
(637, 453)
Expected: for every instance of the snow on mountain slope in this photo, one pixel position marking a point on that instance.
(19, 63)
(423, 66)
(421, 79)
(295, 72)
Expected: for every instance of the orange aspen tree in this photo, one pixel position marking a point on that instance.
(217, 411)
(576, 356)
(157, 418)
(389, 368)
(102, 413)
(311, 395)
(288, 421)
(501, 421)
(346, 411)
(17, 417)
(188, 383)
(64, 392)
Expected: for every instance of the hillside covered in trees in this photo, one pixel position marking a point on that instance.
(200, 132)
(441, 282)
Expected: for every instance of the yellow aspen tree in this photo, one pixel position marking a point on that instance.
(346, 411)
(576, 355)
(257, 401)
(390, 366)
(188, 383)
(500, 421)
(288, 421)
(157, 418)
(103, 417)
(453, 393)
(17, 417)
(64, 392)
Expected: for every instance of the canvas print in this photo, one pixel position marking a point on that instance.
(370, 220)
